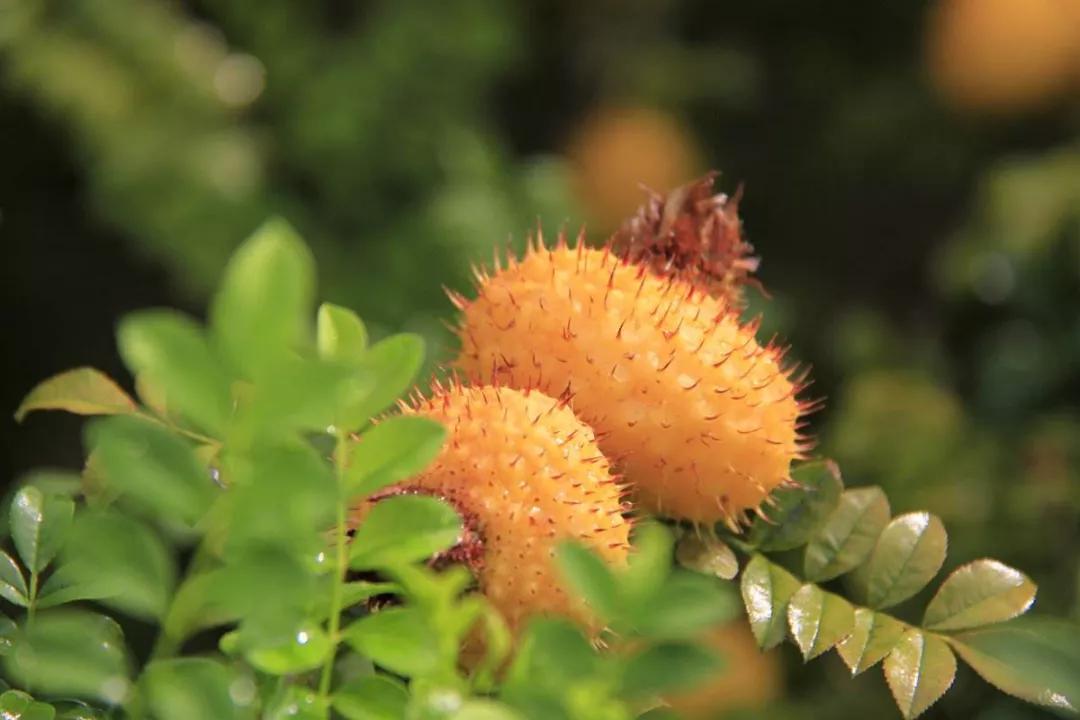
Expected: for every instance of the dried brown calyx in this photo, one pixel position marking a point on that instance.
(693, 234)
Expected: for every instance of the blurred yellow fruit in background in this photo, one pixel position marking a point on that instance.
(1004, 55)
(616, 150)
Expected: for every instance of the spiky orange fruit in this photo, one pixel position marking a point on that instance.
(526, 474)
(703, 419)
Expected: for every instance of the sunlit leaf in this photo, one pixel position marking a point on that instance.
(393, 450)
(403, 529)
(341, 335)
(83, 391)
(709, 556)
(295, 702)
(907, 555)
(305, 394)
(185, 688)
(979, 593)
(590, 578)
(766, 591)
(398, 639)
(799, 512)
(919, 670)
(873, 636)
(666, 667)
(1035, 659)
(171, 351)
(377, 697)
(262, 308)
(819, 620)
(304, 650)
(12, 583)
(39, 525)
(393, 363)
(848, 536)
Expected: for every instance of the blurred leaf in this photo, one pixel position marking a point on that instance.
(872, 638)
(341, 335)
(393, 450)
(75, 710)
(403, 529)
(305, 650)
(377, 697)
(766, 591)
(553, 653)
(589, 577)
(39, 525)
(979, 593)
(196, 605)
(919, 670)
(8, 630)
(848, 535)
(398, 639)
(649, 563)
(172, 352)
(186, 688)
(83, 391)
(1035, 659)
(819, 620)
(666, 667)
(123, 559)
(295, 702)
(12, 583)
(304, 394)
(393, 363)
(270, 589)
(485, 710)
(908, 554)
(263, 305)
(54, 482)
(17, 705)
(352, 593)
(682, 607)
(153, 466)
(800, 511)
(709, 556)
(71, 653)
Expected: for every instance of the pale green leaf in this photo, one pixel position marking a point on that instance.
(873, 636)
(979, 593)
(919, 670)
(798, 512)
(376, 697)
(341, 335)
(393, 362)
(403, 529)
(305, 650)
(393, 450)
(818, 620)
(83, 391)
(186, 688)
(39, 525)
(907, 555)
(590, 578)
(398, 639)
(847, 538)
(766, 591)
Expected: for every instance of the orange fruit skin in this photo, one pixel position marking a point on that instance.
(530, 475)
(701, 419)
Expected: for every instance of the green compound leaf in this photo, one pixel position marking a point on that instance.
(12, 583)
(666, 667)
(979, 593)
(708, 556)
(590, 578)
(185, 688)
(39, 525)
(172, 353)
(799, 512)
(83, 391)
(766, 591)
(873, 636)
(393, 450)
(908, 554)
(919, 670)
(818, 620)
(376, 697)
(398, 639)
(340, 335)
(403, 529)
(262, 309)
(1035, 659)
(848, 536)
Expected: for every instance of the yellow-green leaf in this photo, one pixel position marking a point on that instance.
(906, 557)
(847, 538)
(709, 556)
(766, 591)
(340, 334)
(979, 593)
(872, 638)
(919, 670)
(819, 620)
(83, 391)
(798, 512)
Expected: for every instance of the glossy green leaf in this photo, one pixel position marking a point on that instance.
(403, 529)
(398, 639)
(340, 335)
(39, 525)
(393, 363)
(684, 606)
(819, 620)
(83, 391)
(376, 697)
(799, 512)
(12, 583)
(186, 688)
(124, 561)
(393, 450)
(71, 653)
(17, 705)
(907, 555)
(553, 652)
(848, 536)
(305, 650)
(873, 636)
(154, 467)
(262, 308)
(979, 593)
(171, 351)
(766, 591)
(709, 556)
(919, 670)
(590, 578)
(666, 667)
(1035, 659)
